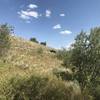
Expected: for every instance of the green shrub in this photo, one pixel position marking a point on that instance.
(43, 43)
(34, 40)
(63, 73)
(65, 56)
(61, 54)
(95, 91)
(38, 87)
(5, 32)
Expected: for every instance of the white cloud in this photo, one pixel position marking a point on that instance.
(62, 15)
(48, 13)
(32, 6)
(28, 14)
(23, 16)
(58, 26)
(65, 32)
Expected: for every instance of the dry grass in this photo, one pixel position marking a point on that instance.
(23, 58)
(26, 59)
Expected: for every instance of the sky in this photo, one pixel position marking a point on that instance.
(55, 21)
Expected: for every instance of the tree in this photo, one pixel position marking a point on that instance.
(86, 57)
(79, 57)
(5, 31)
(34, 40)
(94, 52)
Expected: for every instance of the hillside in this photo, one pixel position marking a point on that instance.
(27, 63)
(26, 56)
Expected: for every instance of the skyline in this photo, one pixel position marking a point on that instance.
(53, 21)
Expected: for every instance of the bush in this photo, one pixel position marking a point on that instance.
(5, 32)
(97, 92)
(34, 40)
(84, 57)
(63, 73)
(43, 43)
(53, 51)
(61, 54)
(38, 87)
(65, 56)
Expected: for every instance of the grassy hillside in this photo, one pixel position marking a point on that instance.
(27, 63)
(28, 56)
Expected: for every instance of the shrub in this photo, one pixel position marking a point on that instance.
(63, 73)
(34, 40)
(5, 32)
(96, 92)
(39, 87)
(53, 51)
(61, 54)
(65, 56)
(43, 43)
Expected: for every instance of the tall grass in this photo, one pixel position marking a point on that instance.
(38, 87)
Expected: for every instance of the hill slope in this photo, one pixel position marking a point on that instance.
(25, 56)
(26, 74)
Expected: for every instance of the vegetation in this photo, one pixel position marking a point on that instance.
(63, 73)
(34, 40)
(37, 87)
(43, 43)
(5, 32)
(85, 57)
(33, 72)
(65, 55)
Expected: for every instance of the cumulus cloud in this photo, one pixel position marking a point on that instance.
(62, 15)
(32, 6)
(48, 13)
(23, 16)
(58, 26)
(65, 32)
(28, 14)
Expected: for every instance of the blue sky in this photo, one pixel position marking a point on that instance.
(55, 21)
